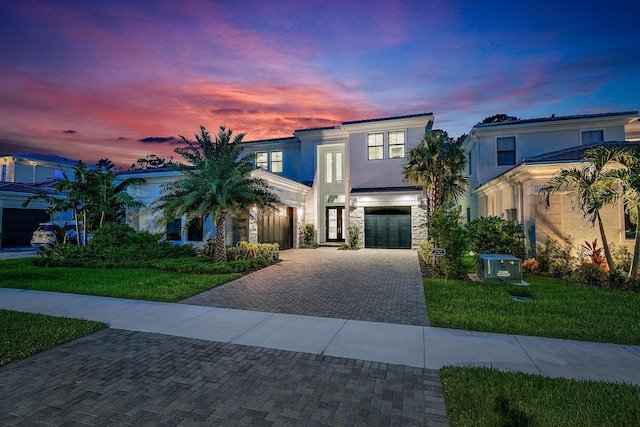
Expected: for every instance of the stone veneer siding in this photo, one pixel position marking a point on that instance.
(418, 226)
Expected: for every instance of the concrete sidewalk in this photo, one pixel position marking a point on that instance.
(415, 346)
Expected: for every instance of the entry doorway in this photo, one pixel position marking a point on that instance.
(335, 224)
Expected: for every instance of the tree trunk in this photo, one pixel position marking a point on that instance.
(605, 244)
(636, 249)
(219, 248)
(84, 229)
(75, 217)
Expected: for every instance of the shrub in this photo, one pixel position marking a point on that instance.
(622, 258)
(447, 232)
(308, 236)
(530, 266)
(354, 236)
(428, 265)
(111, 235)
(554, 259)
(494, 235)
(269, 252)
(590, 274)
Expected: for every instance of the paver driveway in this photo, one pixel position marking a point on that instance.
(377, 285)
(115, 378)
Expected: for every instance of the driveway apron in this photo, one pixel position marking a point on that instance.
(376, 285)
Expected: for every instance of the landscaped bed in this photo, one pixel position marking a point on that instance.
(558, 309)
(25, 334)
(486, 397)
(130, 283)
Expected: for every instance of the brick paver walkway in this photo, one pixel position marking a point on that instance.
(120, 377)
(375, 285)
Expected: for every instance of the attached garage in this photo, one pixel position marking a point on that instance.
(277, 228)
(19, 225)
(387, 227)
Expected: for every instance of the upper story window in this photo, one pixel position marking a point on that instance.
(276, 161)
(262, 161)
(375, 146)
(3, 173)
(396, 144)
(58, 174)
(507, 151)
(591, 136)
(333, 166)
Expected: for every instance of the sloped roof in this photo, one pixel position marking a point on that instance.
(50, 158)
(573, 154)
(554, 118)
(387, 118)
(19, 187)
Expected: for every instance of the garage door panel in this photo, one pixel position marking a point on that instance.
(19, 225)
(387, 230)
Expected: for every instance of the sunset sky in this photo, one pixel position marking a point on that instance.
(122, 79)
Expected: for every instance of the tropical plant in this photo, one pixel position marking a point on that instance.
(437, 163)
(216, 182)
(111, 198)
(447, 232)
(589, 188)
(628, 176)
(353, 231)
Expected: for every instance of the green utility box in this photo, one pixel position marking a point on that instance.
(499, 268)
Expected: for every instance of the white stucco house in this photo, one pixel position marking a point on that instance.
(511, 161)
(332, 177)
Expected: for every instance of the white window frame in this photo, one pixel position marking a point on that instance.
(590, 132)
(379, 148)
(276, 161)
(262, 164)
(396, 145)
(498, 151)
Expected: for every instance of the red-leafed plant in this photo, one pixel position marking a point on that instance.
(595, 254)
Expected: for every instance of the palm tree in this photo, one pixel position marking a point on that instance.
(628, 175)
(69, 194)
(111, 199)
(216, 182)
(589, 187)
(437, 163)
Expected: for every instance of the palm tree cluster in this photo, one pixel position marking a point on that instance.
(438, 164)
(94, 195)
(217, 181)
(592, 185)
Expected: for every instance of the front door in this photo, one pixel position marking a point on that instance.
(335, 226)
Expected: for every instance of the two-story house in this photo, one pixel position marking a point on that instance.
(332, 177)
(511, 161)
(21, 176)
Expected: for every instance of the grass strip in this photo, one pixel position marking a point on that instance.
(135, 283)
(558, 310)
(487, 397)
(25, 334)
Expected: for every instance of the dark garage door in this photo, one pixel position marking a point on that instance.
(19, 225)
(277, 228)
(387, 228)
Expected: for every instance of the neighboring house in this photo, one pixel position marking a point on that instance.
(511, 161)
(21, 176)
(332, 177)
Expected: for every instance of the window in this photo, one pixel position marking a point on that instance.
(333, 163)
(629, 226)
(375, 146)
(276, 161)
(591, 136)
(396, 144)
(3, 174)
(58, 174)
(329, 167)
(174, 230)
(507, 151)
(261, 160)
(194, 232)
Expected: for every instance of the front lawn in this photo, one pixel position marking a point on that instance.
(559, 309)
(486, 397)
(25, 334)
(135, 283)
